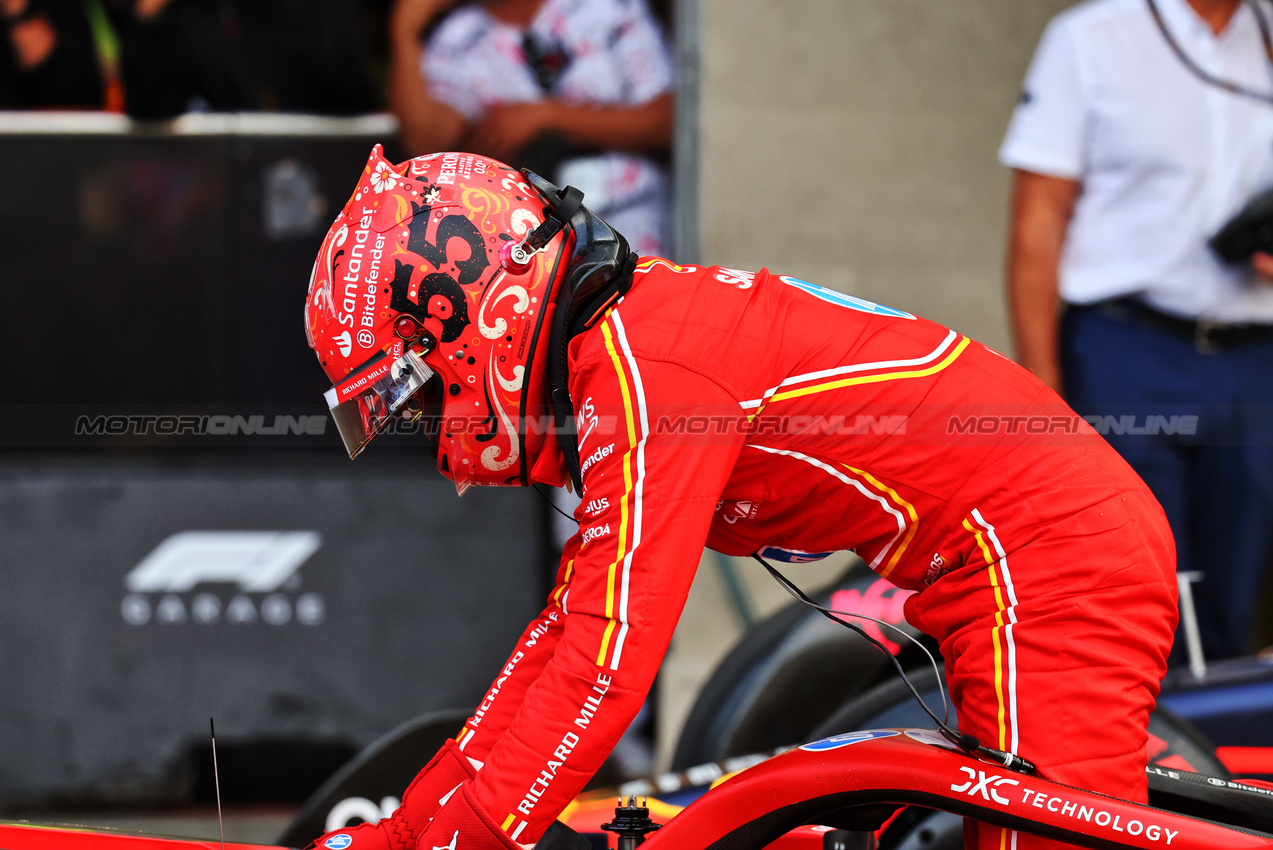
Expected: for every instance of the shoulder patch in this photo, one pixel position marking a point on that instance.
(842, 300)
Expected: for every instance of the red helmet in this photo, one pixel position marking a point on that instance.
(431, 294)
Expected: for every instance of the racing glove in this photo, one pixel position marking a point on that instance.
(462, 815)
(420, 802)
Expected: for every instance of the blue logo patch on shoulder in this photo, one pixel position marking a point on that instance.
(842, 300)
(837, 741)
(792, 556)
(339, 841)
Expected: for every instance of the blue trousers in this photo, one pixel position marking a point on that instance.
(1197, 426)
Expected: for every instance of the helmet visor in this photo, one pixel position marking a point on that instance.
(365, 402)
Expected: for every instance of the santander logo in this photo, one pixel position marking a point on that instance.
(345, 344)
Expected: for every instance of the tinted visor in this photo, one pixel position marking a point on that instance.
(366, 401)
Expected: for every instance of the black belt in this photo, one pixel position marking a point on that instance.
(1207, 336)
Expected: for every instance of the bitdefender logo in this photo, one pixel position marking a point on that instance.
(262, 568)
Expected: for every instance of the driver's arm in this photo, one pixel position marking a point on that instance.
(1041, 209)
(648, 498)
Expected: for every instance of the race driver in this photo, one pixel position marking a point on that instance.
(696, 406)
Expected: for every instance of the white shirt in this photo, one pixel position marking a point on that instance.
(1164, 159)
(617, 56)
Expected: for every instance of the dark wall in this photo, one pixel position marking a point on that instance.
(409, 602)
(165, 268)
(292, 594)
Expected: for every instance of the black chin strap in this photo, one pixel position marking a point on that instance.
(556, 218)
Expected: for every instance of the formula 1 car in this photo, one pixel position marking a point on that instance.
(856, 781)
(852, 787)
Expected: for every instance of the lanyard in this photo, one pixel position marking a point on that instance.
(1211, 79)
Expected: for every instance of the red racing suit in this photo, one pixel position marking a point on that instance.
(739, 411)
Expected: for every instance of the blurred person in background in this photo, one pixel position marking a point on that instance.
(49, 57)
(1142, 128)
(577, 90)
(227, 56)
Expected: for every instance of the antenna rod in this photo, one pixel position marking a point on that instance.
(216, 780)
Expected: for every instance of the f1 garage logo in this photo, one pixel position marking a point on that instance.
(262, 566)
(987, 786)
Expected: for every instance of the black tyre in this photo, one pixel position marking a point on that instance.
(784, 677)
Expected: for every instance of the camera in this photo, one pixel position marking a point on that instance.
(1249, 231)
